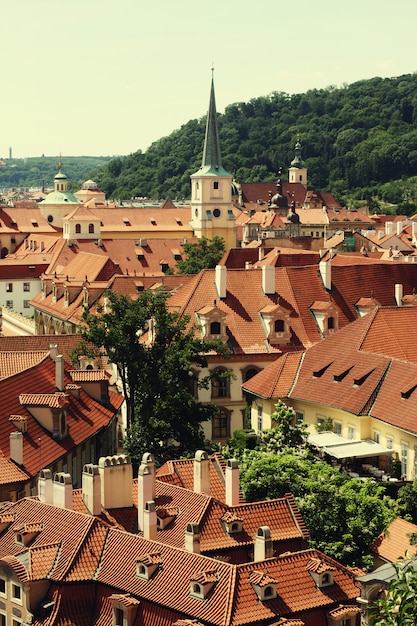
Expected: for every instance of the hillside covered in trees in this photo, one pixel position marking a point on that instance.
(359, 141)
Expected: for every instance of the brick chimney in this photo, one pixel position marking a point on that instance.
(116, 477)
(192, 538)
(201, 472)
(16, 447)
(232, 482)
(146, 486)
(150, 527)
(91, 488)
(399, 294)
(220, 280)
(45, 493)
(263, 548)
(268, 279)
(59, 372)
(62, 490)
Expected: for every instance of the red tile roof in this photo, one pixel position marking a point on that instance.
(394, 544)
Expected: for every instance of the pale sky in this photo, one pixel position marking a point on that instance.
(103, 77)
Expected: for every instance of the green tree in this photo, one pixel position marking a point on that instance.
(287, 431)
(154, 351)
(398, 605)
(344, 515)
(205, 254)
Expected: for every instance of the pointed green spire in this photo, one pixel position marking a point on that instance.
(212, 158)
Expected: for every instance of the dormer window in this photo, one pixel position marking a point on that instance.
(201, 583)
(77, 229)
(321, 572)
(124, 608)
(212, 322)
(231, 523)
(147, 565)
(343, 615)
(276, 322)
(326, 316)
(264, 585)
(24, 534)
(165, 517)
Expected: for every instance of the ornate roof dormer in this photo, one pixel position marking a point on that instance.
(264, 585)
(212, 322)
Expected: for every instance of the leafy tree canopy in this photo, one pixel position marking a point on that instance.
(344, 515)
(154, 351)
(205, 254)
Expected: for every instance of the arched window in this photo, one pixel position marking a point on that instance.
(268, 592)
(221, 424)
(91, 228)
(196, 588)
(78, 228)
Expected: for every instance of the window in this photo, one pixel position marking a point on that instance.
(351, 432)
(215, 328)
(9, 304)
(16, 592)
(216, 212)
(404, 458)
(2, 585)
(78, 228)
(220, 384)
(331, 323)
(91, 228)
(260, 422)
(9, 287)
(299, 417)
(390, 443)
(216, 184)
(376, 436)
(26, 304)
(268, 592)
(279, 326)
(221, 424)
(26, 286)
(337, 428)
(2, 620)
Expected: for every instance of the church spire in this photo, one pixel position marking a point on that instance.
(212, 159)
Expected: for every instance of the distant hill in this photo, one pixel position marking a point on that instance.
(38, 171)
(359, 142)
(356, 140)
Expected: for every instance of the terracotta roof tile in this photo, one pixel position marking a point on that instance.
(394, 544)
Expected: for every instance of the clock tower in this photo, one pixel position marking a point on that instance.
(211, 188)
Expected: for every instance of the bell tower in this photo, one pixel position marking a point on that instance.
(211, 188)
(297, 172)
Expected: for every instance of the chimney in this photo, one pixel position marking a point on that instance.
(261, 253)
(146, 486)
(192, 538)
(232, 482)
(45, 486)
(115, 481)
(201, 472)
(59, 372)
(399, 294)
(399, 227)
(268, 280)
(91, 488)
(264, 548)
(149, 521)
(62, 490)
(326, 274)
(220, 280)
(16, 447)
(388, 228)
(53, 351)
(414, 228)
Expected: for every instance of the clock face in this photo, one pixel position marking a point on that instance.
(216, 212)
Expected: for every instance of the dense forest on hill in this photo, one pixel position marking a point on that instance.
(35, 172)
(358, 141)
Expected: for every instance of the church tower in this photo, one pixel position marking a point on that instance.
(211, 188)
(297, 172)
